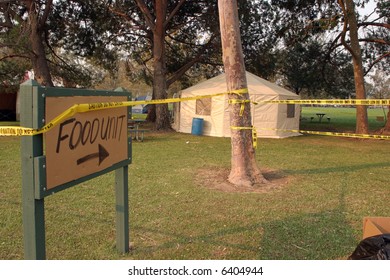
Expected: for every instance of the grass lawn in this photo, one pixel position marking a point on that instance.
(331, 184)
(341, 119)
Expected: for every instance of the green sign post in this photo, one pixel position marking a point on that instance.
(87, 144)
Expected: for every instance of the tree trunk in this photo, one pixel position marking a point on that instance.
(361, 111)
(159, 63)
(38, 54)
(244, 170)
(151, 116)
(386, 129)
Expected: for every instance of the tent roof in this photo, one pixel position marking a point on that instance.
(256, 85)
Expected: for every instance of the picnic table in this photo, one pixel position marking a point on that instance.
(136, 132)
(320, 116)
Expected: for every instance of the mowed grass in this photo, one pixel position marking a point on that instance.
(341, 119)
(331, 184)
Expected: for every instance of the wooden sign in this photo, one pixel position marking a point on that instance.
(85, 143)
(78, 147)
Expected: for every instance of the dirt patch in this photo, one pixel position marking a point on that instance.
(216, 179)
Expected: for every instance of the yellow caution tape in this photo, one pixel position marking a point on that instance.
(82, 108)
(365, 102)
(254, 133)
(242, 102)
(254, 137)
(16, 131)
(337, 134)
(238, 91)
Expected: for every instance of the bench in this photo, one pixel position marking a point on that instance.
(137, 134)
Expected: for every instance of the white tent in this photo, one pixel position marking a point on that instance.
(267, 118)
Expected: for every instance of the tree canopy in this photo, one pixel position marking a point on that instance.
(81, 38)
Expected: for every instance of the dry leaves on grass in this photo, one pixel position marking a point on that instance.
(216, 179)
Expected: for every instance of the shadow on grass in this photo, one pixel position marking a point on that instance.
(310, 236)
(324, 235)
(314, 236)
(350, 168)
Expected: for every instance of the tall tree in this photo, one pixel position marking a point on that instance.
(24, 22)
(244, 170)
(31, 31)
(350, 23)
(178, 33)
(314, 16)
(157, 24)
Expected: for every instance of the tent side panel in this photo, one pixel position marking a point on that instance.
(265, 116)
(187, 110)
(212, 124)
(286, 122)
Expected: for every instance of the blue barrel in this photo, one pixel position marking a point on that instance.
(197, 126)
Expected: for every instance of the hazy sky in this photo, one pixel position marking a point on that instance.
(369, 8)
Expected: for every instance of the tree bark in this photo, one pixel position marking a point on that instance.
(244, 170)
(386, 129)
(159, 79)
(38, 54)
(160, 112)
(348, 8)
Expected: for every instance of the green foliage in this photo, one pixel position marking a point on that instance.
(14, 49)
(301, 65)
(302, 19)
(376, 46)
(85, 29)
(273, 35)
(310, 72)
(107, 31)
(11, 74)
(259, 37)
(380, 87)
(15, 38)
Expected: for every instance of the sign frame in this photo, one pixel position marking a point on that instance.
(33, 161)
(40, 162)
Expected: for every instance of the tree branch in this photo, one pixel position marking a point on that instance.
(13, 56)
(145, 11)
(46, 14)
(378, 24)
(7, 20)
(368, 40)
(345, 28)
(375, 40)
(9, 12)
(376, 61)
(172, 14)
(134, 24)
(175, 76)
